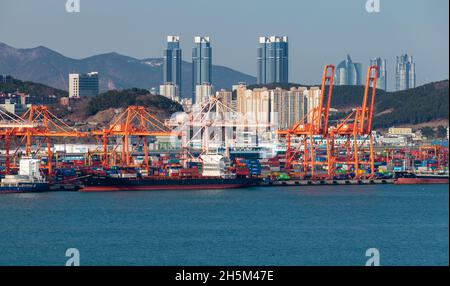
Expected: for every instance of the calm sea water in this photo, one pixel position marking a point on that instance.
(325, 225)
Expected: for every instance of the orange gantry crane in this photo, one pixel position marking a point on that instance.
(358, 124)
(47, 126)
(37, 121)
(314, 124)
(134, 121)
(9, 124)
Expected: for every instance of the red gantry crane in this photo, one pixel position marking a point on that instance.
(9, 124)
(313, 125)
(134, 121)
(47, 126)
(357, 125)
(37, 121)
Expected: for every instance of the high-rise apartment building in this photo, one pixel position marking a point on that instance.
(273, 60)
(172, 64)
(272, 106)
(201, 63)
(83, 84)
(405, 73)
(169, 90)
(382, 73)
(312, 96)
(203, 92)
(226, 97)
(348, 73)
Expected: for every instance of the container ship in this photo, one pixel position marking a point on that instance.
(212, 173)
(405, 178)
(29, 179)
(97, 184)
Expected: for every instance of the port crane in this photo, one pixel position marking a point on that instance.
(313, 125)
(47, 126)
(133, 121)
(37, 121)
(356, 125)
(9, 125)
(211, 122)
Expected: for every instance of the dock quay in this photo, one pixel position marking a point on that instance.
(327, 182)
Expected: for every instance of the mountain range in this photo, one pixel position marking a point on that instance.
(43, 65)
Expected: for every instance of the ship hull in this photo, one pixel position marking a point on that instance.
(122, 184)
(28, 188)
(414, 181)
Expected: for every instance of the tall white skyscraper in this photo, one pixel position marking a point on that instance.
(382, 73)
(405, 73)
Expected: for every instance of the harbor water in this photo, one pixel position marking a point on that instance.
(298, 225)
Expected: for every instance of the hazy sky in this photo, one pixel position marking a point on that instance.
(320, 31)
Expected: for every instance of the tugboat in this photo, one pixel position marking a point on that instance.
(29, 179)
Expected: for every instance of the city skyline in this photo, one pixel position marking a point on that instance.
(311, 45)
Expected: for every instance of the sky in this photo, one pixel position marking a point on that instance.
(320, 31)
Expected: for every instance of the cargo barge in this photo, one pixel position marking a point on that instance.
(407, 178)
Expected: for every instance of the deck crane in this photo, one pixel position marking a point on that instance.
(358, 124)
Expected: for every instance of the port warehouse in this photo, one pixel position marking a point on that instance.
(312, 149)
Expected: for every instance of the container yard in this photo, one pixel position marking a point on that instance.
(316, 151)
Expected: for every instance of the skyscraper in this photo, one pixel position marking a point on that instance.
(172, 64)
(83, 84)
(201, 63)
(273, 60)
(382, 73)
(348, 73)
(405, 73)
